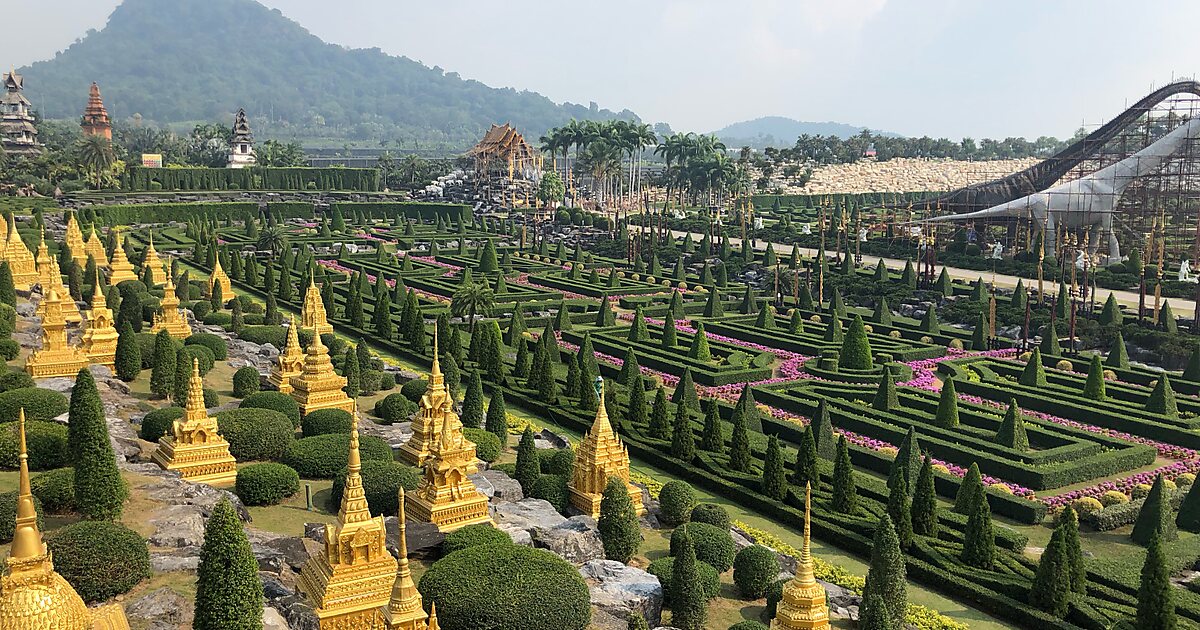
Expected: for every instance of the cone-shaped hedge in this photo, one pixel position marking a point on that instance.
(979, 541)
(1034, 375)
(637, 331)
(689, 605)
(699, 349)
(1189, 510)
(1154, 519)
(845, 491)
(229, 594)
(796, 323)
(887, 577)
(714, 307)
(972, 483)
(885, 396)
(882, 313)
(1166, 319)
(929, 321)
(1051, 590)
(826, 445)
(1012, 429)
(947, 410)
(618, 522)
(100, 492)
(766, 317)
(739, 446)
(1162, 399)
(1117, 356)
(683, 441)
(1111, 313)
(685, 392)
(924, 503)
(774, 476)
(1192, 371)
(1049, 345)
(833, 331)
(899, 509)
(856, 348)
(629, 368)
(712, 439)
(1094, 389)
(1156, 599)
(806, 470)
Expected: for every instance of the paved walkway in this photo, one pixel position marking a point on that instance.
(1182, 307)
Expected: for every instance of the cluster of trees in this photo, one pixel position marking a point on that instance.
(601, 152)
(838, 150)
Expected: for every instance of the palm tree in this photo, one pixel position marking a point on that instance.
(470, 299)
(273, 239)
(96, 156)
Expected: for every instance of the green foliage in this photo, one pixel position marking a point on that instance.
(1111, 314)
(275, 401)
(712, 514)
(1051, 588)
(924, 504)
(886, 577)
(688, 602)
(683, 442)
(659, 427)
(46, 443)
(685, 392)
(528, 467)
(845, 491)
(708, 580)
(256, 434)
(229, 594)
(497, 416)
(158, 422)
(970, 488)
(618, 522)
(39, 404)
(1156, 601)
(129, 354)
(885, 396)
(553, 489)
(8, 515)
(472, 406)
(947, 410)
(1162, 399)
(100, 559)
(487, 446)
(474, 536)
(754, 569)
(1154, 519)
(266, 483)
(323, 456)
(1033, 375)
(246, 381)
(979, 542)
(395, 408)
(100, 492)
(856, 348)
(676, 501)
(712, 546)
(739, 445)
(1117, 357)
(899, 510)
(1094, 387)
(806, 471)
(55, 490)
(382, 481)
(699, 349)
(325, 421)
(1012, 429)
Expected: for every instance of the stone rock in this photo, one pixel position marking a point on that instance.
(26, 309)
(575, 540)
(273, 619)
(740, 541)
(527, 514)
(162, 606)
(100, 371)
(315, 531)
(497, 486)
(59, 384)
(178, 526)
(181, 559)
(424, 539)
(618, 590)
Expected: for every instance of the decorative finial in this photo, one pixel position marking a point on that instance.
(27, 539)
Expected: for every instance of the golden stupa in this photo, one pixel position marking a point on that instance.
(20, 260)
(312, 316)
(405, 610)
(435, 406)
(151, 260)
(447, 497)
(803, 606)
(600, 455)
(75, 240)
(69, 308)
(318, 386)
(100, 337)
(122, 269)
(42, 260)
(219, 276)
(289, 363)
(32, 595)
(350, 580)
(56, 357)
(193, 448)
(171, 319)
(94, 247)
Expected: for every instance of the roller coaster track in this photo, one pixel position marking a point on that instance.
(1046, 173)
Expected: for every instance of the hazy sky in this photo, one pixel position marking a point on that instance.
(937, 67)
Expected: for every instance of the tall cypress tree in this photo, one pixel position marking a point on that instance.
(924, 505)
(806, 461)
(100, 492)
(669, 337)
(637, 330)
(472, 406)
(899, 509)
(659, 427)
(1094, 388)
(8, 293)
(1068, 524)
(1156, 601)
(229, 594)
(712, 439)
(162, 377)
(1051, 589)
(528, 467)
(182, 379)
(685, 392)
(689, 609)
(1117, 357)
(774, 475)
(826, 445)
(845, 491)
(637, 415)
(739, 446)
(497, 416)
(630, 369)
(887, 576)
(947, 410)
(618, 525)
(970, 487)
(129, 354)
(1155, 516)
(683, 442)
(979, 541)
(353, 373)
(381, 317)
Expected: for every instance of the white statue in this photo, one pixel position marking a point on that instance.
(862, 235)
(806, 229)
(1185, 271)
(997, 250)
(1080, 260)
(758, 223)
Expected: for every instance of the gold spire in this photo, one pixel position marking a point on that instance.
(290, 361)
(20, 259)
(447, 497)
(171, 319)
(804, 569)
(600, 456)
(318, 386)
(100, 338)
(27, 539)
(312, 315)
(354, 507)
(56, 357)
(218, 276)
(122, 269)
(803, 606)
(433, 622)
(194, 447)
(404, 611)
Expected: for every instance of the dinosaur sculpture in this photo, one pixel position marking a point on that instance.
(1088, 201)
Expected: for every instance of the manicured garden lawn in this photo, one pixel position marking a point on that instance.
(288, 518)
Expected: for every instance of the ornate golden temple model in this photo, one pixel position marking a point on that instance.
(219, 277)
(122, 269)
(351, 579)
(95, 248)
(70, 309)
(405, 610)
(318, 386)
(290, 361)
(435, 405)
(803, 606)
(56, 357)
(42, 260)
(32, 595)
(447, 497)
(600, 456)
(100, 337)
(171, 319)
(312, 315)
(20, 260)
(193, 448)
(151, 261)
(75, 240)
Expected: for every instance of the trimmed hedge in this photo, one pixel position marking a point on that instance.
(141, 179)
(487, 445)
(246, 381)
(159, 422)
(203, 357)
(39, 404)
(266, 484)
(394, 408)
(274, 401)
(474, 536)
(100, 559)
(710, 580)
(714, 546)
(676, 501)
(217, 345)
(325, 421)
(323, 456)
(711, 513)
(55, 489)
(382, 481)
(16, 379)
(46, 443)
(256, 434)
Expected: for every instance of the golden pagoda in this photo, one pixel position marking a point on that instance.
(70, 309)
(405, 610)
(56, 357)
(219, 276)
(42, 260)
(20, 260)
(350, 580)
(194, 448)
(447, 497)
(318, 386)
(100, 337)
(94, 247)
(435, 406)
(151, 260)
(600, 455)
(312, 316)
(122, 269)
(803, 606)
(171, 319)
(75, 240)
(289, 363)
(32, 595)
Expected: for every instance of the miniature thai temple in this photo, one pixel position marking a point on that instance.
(122, 269)
(32, 595)
(42, 260)
(436, 406)
(95, 120)
(803, 606)
(600, 456)
(506, 161)
(241, 145)
(56, 357)
(312, 315)
(350, 580)
(100, 337)
(318, 386)
(18, 133)
(95, 248)
(404, 610)
(170, 318)
(151, 260)
(75, 240)
(289, 363)
(54, 281)
(193, 448)
(219, 276)
(20, 260)
(447, 497)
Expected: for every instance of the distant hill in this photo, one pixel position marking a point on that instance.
(186, 61)
(780, 131)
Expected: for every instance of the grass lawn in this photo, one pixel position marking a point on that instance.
(288, 518)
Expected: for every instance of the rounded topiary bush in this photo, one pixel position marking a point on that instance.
(676, 500)
(218, 318)
(217, 345)
(202, 355)
(754, 568)
(325, 421)
(1086, 505)
(15, 379)
(246, 381)
(39, 404)
(560, 462)
(414, 389)
(711, 513)
(274, 401)
(382, 480)
(774, 596)
(324, 456)
(8, 515)
(158, 422)
(507, 587)
(201, 308)
(256, 434)
(713, 545)
(9, 349)
(55, 489)
(710, 580)
(394, 408)
(474, 536)
(46, 443)
(552, 488)
(487, 445)
(210, 398)
(274, 335)
(387, 381)
(266, 483)
(100, 559)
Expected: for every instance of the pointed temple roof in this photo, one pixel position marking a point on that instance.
(241, 128)
(505, 142)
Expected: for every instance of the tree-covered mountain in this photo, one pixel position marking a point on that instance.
(779, 131)
(186, 61)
